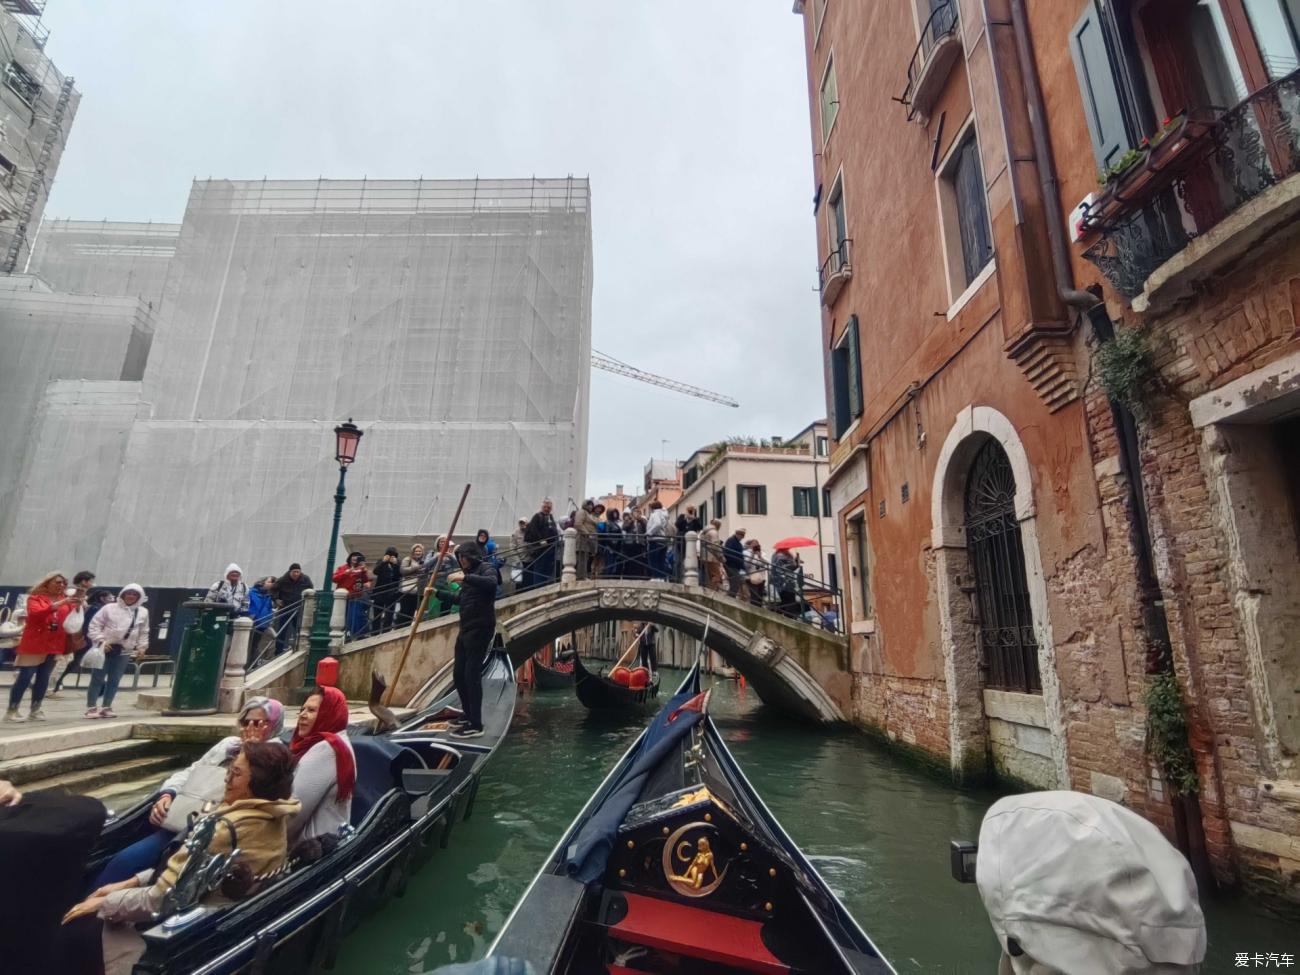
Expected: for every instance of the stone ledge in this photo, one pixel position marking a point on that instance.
(1265, 840)
(1015, 708)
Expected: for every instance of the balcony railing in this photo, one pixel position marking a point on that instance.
(1175, 195)
(924, 71)
(836, 271)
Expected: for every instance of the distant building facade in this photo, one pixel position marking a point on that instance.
(773, 491)
(1060, 291)
(450, 319)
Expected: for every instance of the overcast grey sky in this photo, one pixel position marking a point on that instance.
(690, 117)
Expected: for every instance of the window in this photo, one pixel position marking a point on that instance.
(805, 502)
(969, 212)
(837, 226)
(859, 568)
(826, 503)
(751, 499)
(21, 82)
(704, 512)
(823, 446)
(819, 14)
(720, 504)
(1276, 25)
(846, 379)
(690, 477)
(830, 99)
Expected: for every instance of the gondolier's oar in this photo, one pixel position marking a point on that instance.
(628, 652)
(424, 600)
(708, 619)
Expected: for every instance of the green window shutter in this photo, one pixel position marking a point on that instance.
(740, 501)
(854, 366)
(762, 500)
(1102, 105)
(798, 502)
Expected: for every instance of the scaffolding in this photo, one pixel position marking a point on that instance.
(101, 257)
(451, 319)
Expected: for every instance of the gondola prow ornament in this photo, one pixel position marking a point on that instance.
(203, 871)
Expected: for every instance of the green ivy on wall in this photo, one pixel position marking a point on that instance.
(1167, 743)
(1125, 369)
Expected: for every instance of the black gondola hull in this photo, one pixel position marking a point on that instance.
(598, 693)
(549, 679)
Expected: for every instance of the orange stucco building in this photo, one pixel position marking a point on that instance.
(1059, 292)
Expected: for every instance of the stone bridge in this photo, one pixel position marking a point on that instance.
(792, 665)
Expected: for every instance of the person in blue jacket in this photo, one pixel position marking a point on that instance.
(261, 610)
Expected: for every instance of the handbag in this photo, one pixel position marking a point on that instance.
(204, 784)
(756, 578)
(94, 658)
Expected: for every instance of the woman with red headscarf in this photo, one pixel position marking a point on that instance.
(326, 772)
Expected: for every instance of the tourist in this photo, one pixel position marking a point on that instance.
(657, 540)
(687, 521)
(542, 535)
(190, 788)
(84, 580)
(353, 577)
(413, 582)
(784, 576)
(70, 663)
(438, 565)
(256, 804)
(121, 630)
(584, 523)
(733, 557)
(261, 609)
(755, 572)
(387, 591)
(514, 576)
(635, 562)
(231, 590)
(49, 604)
(488, 548)
(711, 555)
(288, 591)
(612, 544)
(477, 600)
(326, 771)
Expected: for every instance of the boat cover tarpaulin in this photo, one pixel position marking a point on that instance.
(587, 855)
(1084, 885)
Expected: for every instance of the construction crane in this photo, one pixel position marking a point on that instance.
(601, 361)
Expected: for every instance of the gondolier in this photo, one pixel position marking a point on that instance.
(478, 622)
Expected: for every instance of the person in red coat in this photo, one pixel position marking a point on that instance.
(43, 642)
(354, 577)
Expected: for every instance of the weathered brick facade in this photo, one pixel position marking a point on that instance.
(950, 363)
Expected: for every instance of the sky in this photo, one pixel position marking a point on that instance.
(689, 116)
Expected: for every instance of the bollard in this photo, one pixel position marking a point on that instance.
(230, 696)
(305, 620)
(691, 560)
(570, 573)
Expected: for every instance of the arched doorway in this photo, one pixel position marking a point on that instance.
(1004, 618)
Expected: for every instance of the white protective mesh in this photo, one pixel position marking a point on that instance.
(450, 319)
(99, 257)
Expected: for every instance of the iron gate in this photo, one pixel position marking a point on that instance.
(1004, 620)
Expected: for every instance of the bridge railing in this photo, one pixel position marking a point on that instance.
(782, 585)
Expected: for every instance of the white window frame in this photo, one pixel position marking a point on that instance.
(954, 260)
(821, 445)
(837, 191)
(828, 72)
(862, 618)
(819, 18)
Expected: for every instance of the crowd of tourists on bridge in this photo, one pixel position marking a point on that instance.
(386, 593)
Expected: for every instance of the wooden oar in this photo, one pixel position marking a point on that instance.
(628, 652)
(424, 599)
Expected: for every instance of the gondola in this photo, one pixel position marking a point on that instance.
(599, 693)
(413, 785)
(675, 864)
(556, 678)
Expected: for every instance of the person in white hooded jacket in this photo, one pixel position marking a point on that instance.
(122, 629)
(231, 590)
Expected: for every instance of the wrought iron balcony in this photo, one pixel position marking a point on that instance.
(1191, 181)
(836, 272)
(932, 60)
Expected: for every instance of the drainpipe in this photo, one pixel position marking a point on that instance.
(1046, 163)
(1188, 825)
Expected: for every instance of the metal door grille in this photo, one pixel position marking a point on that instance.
(1005, 622)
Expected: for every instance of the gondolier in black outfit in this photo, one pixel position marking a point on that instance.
(647, 656)
(478, 622)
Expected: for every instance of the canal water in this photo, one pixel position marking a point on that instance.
(876, 828)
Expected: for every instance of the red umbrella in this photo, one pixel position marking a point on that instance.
(794, 541)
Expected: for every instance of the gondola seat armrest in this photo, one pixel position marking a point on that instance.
(420, 781)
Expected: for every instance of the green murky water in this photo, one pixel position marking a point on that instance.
(876, 828)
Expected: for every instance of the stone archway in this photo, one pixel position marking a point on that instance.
(984, 723)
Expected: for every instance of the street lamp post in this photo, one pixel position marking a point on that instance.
(347, 437)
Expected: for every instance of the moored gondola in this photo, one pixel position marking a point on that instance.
(599, 693)
(413, 785)
(675, 864)
(553, 678)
